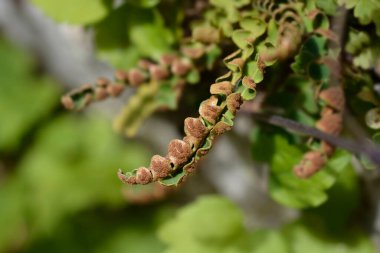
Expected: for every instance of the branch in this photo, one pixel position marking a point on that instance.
(364, 147)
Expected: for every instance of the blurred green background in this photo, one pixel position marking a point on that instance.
(58, 186)
(59, 191)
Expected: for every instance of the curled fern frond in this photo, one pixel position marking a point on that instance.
(216, 115)
(331, 122)
(87, 93)
(246, 69)
(169, 66)
(260, 36)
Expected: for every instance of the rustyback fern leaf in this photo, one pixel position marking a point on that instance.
(250, 47)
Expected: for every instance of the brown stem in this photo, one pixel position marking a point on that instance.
(364, 147)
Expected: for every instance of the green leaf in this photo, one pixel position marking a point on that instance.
(319, 72)
(376, 138)
(141, 29)
(345, 192)
(268, 241)
(131, 240)
(166, 96)
(248, 94)
(320, 21)
(229, 7)
(151, 39)
(328, 6)
(368, 58)
(144, 3)
(111, 32)
(240, 38)
(226, 27)
(256, 27)
(120, 58)
(254, 71)
(212, 55)
(348, 3)
(214, 225)
(193, 76)
(24, 99)
(175, 180)
(272, 32)
(138, 109)
(12, 212)
(366, 51)
(102, 230)
(356, 41)
(204, 220)
(292, 191)
(365, 10)
(207, 227)
(78, 156)
(306, 96)
(260, 139)
(241, 3)
(310, 52)
(267, 47)
(73, 11)
(302, 60)
(312, 238)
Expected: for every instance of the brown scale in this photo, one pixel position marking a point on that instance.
(224, 87)
(220, 128)
(159, 167)
(181, 151)
(234, 102)
(209, 110)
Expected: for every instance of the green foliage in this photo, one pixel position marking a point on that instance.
(98, 230)
(130, 32)
(366, 52)
(208, 230)
(63, 156)
(134, 240)
(316, 240)
(72, 11)
(365, 10)
(72, 155)
(328, 6)
(251, 30)
(284, 186)
(137, 110)
(150, 36)
(306, 60)
(11, 213)
(144, 3)
(120, 57)
(368, 57)
(59, 173)
(356, 41)
(60, 192)
(21, 91)
(345, 192)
